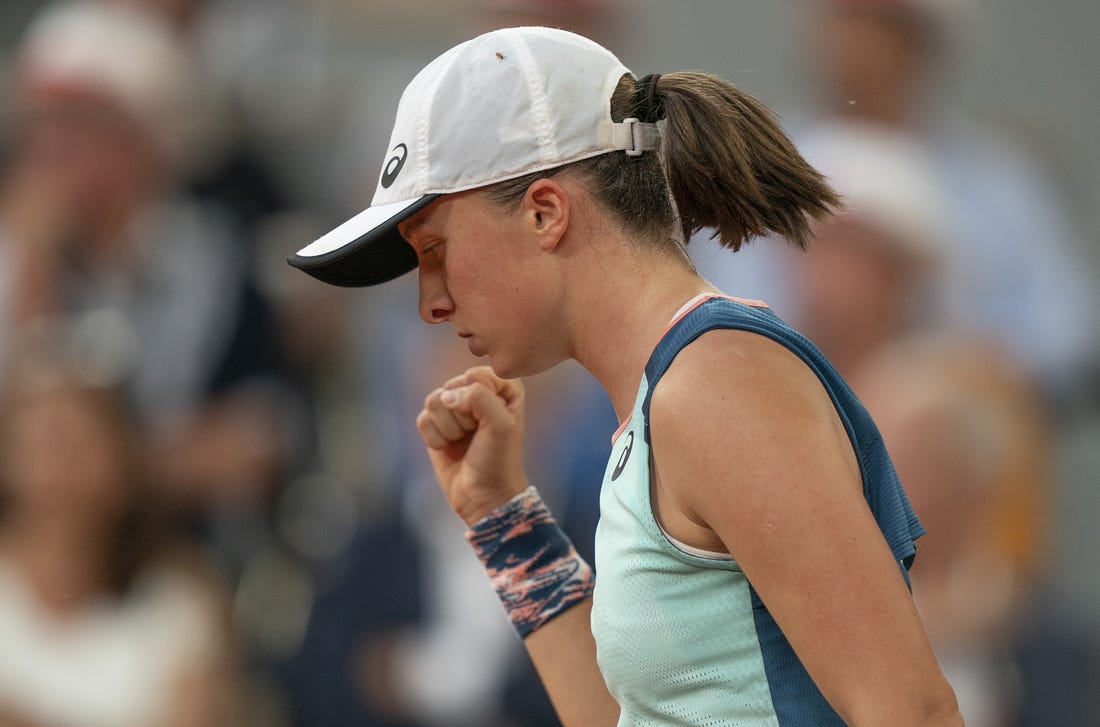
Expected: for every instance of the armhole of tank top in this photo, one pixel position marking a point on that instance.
(680, 546)
(692, 550)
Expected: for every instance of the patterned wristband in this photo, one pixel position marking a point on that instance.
(533, 566)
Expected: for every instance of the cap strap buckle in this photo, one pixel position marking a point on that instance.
(634, 136)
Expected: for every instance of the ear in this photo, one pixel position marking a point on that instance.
(545, 208)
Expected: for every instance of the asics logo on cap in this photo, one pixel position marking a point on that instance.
(394, 165)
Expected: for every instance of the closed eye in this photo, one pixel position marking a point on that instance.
(432, 248)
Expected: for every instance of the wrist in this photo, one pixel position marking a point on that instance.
(477, 509)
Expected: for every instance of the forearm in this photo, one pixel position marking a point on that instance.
(564, 654)
(545, 588)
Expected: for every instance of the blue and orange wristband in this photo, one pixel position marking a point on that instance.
(536, 571)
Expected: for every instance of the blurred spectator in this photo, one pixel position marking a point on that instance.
(94, 228)
(868, 278)
(970, 441)
(153, 284)
(1013, 266)
(226, 165)
(104, 620)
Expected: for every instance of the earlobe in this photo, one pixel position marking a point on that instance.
(547, 205)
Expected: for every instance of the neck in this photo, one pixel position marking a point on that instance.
(619, 317)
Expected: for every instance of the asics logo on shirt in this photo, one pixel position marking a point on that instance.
(621, 465)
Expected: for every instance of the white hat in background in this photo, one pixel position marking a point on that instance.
(505, 104)
(888, 181)
(121, 53)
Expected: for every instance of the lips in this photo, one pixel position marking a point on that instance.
(475, 345)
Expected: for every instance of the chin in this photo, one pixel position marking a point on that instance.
(507, 368)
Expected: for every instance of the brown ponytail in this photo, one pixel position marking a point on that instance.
(732, 168)
(724, 160)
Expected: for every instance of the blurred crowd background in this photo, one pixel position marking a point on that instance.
(214, 506)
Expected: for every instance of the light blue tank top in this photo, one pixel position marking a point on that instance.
(681, 636)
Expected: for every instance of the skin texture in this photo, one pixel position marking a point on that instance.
(497, 276)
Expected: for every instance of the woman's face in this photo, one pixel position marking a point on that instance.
(63, 456)
(482, 272)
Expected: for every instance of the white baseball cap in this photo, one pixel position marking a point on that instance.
(499, 106)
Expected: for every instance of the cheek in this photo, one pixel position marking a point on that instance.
(479, 278)
(501, 307)
(497, 280)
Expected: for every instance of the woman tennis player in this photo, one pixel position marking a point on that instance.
(754, 541)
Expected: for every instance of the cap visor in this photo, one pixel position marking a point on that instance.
(365, 250)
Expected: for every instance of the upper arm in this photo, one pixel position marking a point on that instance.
(747, 442)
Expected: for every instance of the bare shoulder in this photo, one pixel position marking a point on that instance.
(735, 375)
(738, 402)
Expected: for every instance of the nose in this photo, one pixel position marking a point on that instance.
(436, 305)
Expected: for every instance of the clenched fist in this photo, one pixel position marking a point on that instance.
(473, 426)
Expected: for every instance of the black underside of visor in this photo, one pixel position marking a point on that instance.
(376, 257)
